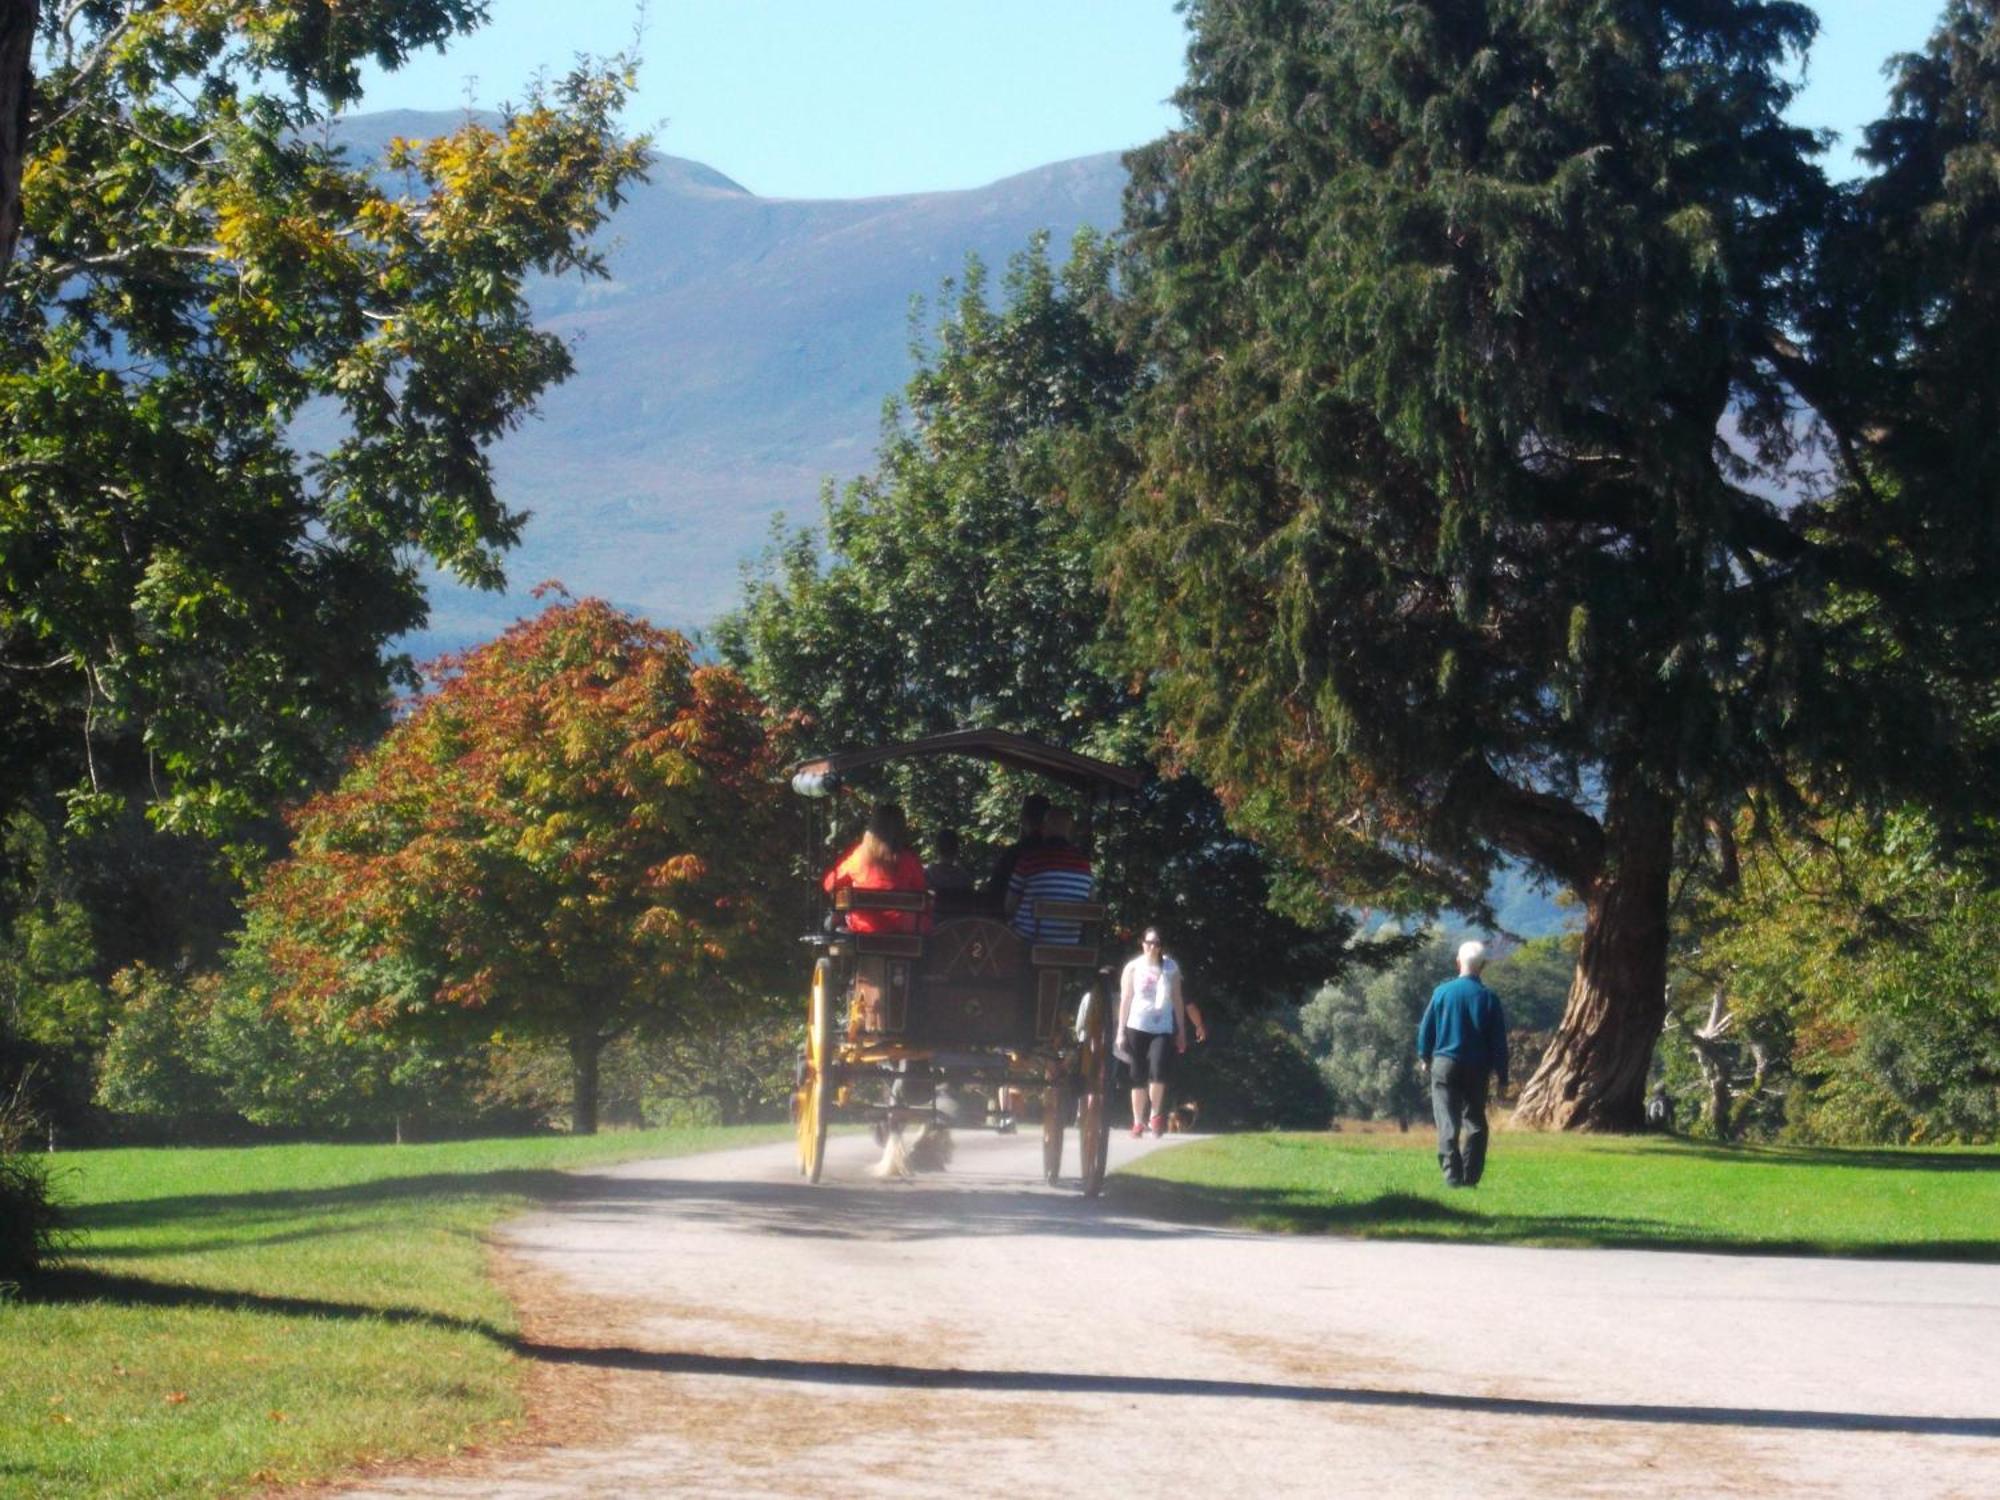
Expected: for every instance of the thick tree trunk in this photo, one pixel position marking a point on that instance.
(1593, 1077)
(17, 87)
(584, 1050)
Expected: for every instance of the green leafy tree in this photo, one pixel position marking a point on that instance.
(1854, 961)
(572, 838)
(1899, 328)
(730, 1069)
(721, 1069)
(156, 1063)
(209, 1057)
(956, 586)
(1533, 980)
(1362, 1033)
(1255, 1073)
(194, 613)
(1446, 536)
(53, 1010)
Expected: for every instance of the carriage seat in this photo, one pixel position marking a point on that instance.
(969, 902)
(913, 907)
(1077, 955)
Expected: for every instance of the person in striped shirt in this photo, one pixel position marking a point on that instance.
(1053, 870)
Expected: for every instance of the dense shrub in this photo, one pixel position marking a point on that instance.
(1255, 1075)
(30, 1217)
(203, 1058)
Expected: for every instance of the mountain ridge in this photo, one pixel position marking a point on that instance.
(738, 355)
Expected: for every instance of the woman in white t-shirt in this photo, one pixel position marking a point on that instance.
(1152, 1030)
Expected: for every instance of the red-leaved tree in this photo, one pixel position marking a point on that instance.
(577, 834)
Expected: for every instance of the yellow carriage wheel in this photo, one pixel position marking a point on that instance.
(1052, 1133)
(1093, 1141)
(811, 1100)
(1093, 1118)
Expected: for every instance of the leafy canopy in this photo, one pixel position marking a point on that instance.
(1363, 1033)
(194, 610)
(572, 838)
(1862, 951)
(1505, 483)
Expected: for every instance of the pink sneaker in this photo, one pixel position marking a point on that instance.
(1138, 1129)
(1159, 1125)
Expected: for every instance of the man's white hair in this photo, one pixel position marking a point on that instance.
(1472, 955)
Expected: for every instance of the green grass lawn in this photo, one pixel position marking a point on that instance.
(1625, 1192)
(230, 1318)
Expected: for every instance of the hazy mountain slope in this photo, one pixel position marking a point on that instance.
(740, 354)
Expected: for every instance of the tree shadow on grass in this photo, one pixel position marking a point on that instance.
(155, 1249)
(1134, 1207)
(1849, 1157)
(136, 1291)
(933, 1206)
(125, 1213)
(1412, 1216)
(70, 1287)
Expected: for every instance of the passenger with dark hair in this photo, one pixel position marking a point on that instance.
(1034, 808)
(945, 873)
(882, 861)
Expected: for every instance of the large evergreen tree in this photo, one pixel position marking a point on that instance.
(1450, 531)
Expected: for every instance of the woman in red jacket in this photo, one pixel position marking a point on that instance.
(882, 861)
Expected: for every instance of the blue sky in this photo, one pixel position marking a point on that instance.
(806, 98)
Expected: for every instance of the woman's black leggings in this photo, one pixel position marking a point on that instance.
(1152, 1054)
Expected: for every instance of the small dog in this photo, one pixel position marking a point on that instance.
(1183, 1117)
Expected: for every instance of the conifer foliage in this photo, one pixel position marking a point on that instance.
(575, 836)
(1477, 336)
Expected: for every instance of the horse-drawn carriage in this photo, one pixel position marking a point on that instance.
(941, 1026)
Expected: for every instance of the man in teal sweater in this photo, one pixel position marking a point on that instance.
(1462, 1040)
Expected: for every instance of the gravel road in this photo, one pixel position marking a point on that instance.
(978, 1332)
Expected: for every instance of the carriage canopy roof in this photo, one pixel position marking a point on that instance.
(823, 774)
